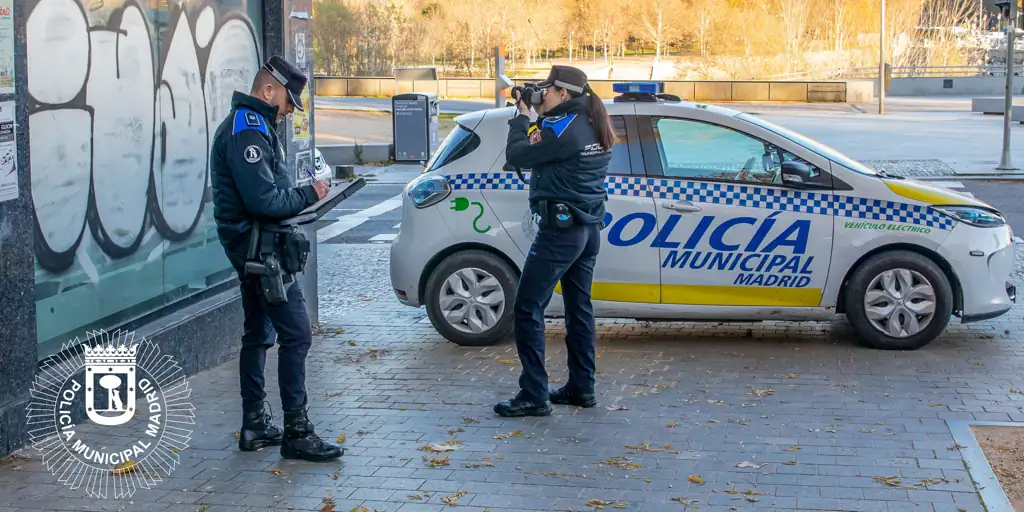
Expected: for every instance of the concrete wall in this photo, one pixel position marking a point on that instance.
(750, 91)
(968, 85)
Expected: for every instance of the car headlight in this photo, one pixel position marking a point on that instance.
(428, 190)
(973, 215)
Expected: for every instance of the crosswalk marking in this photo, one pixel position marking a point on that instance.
(384, 237)
(348, 222)
(396, 226)
(956, 186)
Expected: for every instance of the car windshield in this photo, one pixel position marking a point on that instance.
(460, 142)
(812, 145)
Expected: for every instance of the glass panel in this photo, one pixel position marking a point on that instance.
(692, 149)
(619, 163)
(120, 139)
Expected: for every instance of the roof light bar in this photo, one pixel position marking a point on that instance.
(639, 88)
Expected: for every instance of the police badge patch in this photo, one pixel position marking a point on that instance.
(252, 154)
(252, 119)
(535, 137)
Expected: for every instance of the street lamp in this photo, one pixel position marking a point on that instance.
(1010, 10)
(881, 62)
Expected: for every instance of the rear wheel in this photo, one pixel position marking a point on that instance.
(898, 300)
(469, 298)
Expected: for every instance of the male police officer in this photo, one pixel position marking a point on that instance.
(251, 184)
(568, 151)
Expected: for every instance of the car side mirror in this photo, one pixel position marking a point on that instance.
(799, 175)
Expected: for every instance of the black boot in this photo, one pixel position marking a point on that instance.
(566, 396)
(300, 442)
(257, 431)
(521, 405)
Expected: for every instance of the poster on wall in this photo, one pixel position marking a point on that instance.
(298, 42)
(8, 153)
(6, 46)
(300, 124)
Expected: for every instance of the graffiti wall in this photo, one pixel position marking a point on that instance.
(124, 99)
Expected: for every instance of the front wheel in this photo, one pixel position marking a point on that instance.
(898, 300)
(469, 298)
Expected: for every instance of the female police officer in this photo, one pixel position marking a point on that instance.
(567, 151)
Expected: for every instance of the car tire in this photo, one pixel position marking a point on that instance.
(495, 277)
(885, 276)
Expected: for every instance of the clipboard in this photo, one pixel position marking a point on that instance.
(337, 194)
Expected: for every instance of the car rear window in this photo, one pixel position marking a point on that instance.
(459, 143)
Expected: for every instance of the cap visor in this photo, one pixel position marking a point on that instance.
(296, 101)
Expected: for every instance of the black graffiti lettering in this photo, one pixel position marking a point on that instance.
(120, 141)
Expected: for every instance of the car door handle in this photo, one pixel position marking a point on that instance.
(681, 205)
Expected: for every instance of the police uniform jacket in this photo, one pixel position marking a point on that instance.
(248, 175)
(566, 161)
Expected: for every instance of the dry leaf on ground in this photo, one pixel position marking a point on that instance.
(892, 481)
(453, 499)
(436, 462)
(517, 433)
(760, 392)
(749, 465)
(617, 408)
(696, 479)
(127, 466)
(341, 438)
(440, 448)
(507, 361)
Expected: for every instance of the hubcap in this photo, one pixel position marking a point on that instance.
(900, 302)
(472, 300)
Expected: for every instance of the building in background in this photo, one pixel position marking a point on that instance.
(106, 218)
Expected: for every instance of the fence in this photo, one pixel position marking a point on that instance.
(835, 91)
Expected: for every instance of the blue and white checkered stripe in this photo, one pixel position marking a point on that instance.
(729, 194)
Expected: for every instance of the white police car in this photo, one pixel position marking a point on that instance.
(713, 214)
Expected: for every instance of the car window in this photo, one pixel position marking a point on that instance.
(696, 150)
(459, 143)
(619, 163)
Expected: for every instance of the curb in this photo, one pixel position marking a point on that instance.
(991, 494)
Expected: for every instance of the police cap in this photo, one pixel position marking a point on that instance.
(566, 77)
(290, 77)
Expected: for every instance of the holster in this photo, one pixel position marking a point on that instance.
(262, 261)
(556, 214)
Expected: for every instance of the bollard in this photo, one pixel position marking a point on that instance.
(344, 172)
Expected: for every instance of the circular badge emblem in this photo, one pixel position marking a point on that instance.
(253, 154)
(530, 225)
(136, 408)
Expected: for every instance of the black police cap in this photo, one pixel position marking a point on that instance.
(290, 77)
(566, 77)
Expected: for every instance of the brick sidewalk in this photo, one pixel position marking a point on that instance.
(707, 417)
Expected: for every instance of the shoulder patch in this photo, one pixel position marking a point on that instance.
(535, 137)
(246, 119)
(559, 124)
(252, 154)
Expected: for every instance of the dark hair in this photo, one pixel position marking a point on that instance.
(600, 119)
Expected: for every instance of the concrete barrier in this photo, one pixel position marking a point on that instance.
(859, 91)
(967, 85)
(345, 154)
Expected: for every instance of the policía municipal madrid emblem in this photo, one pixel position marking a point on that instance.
(137, 414)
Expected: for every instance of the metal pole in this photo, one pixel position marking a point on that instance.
(499, 70)
(1005, 163)
(881, 62)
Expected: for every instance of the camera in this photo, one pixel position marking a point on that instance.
(528, 93)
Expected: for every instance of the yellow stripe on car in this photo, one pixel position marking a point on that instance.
(703, 295)
(930, 194)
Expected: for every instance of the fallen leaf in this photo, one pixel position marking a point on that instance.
(507, 361)
(601, 504)
(439, 448)
(415, 497)
(671, 425)
(684, 501)
(937, 404)
(760, 392)
(716, 402)
(792, 376)
(749, 465)
(453, 499)
(332, 395)
(352, 342)
(620, 462)
(125, 467)
(236, 434)
(517, 433)
(334, 476)
(617, 408)
(644, 447)
(866, 431)
(341, 438)
(467, 420)
(454, 431)
(793, 448)
(277, 471)
(339, 331)
(790, 463)
(436, 462)
(696, 479)
(892, 481)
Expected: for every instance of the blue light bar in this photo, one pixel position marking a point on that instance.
(639, 87)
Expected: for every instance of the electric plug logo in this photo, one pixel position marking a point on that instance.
(461, 204)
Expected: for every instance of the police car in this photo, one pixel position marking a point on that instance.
(713, 214)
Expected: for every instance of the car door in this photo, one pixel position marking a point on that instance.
(627, 269)
(730, 233)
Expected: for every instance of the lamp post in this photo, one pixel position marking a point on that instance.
(881, 62)
(1005, 163)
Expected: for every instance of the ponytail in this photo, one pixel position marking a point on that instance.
(600, 120)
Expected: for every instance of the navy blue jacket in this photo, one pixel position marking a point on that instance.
(249, 177)
(567, 163)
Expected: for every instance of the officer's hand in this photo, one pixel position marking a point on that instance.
(321, 187)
